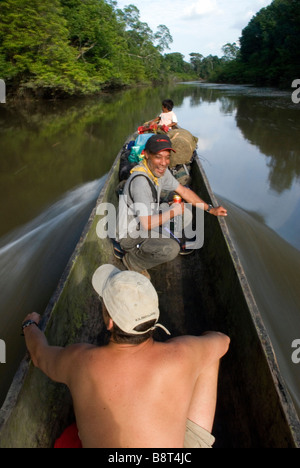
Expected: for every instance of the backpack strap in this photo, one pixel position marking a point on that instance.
(153, 189)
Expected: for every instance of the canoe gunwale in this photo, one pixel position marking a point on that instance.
(285, 399)
(23, 369)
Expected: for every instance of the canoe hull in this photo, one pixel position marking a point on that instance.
(37, 410)
(205, 291)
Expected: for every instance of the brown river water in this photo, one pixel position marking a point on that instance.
(54, 158)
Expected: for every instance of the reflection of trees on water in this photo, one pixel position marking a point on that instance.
(276, 132)
(48, 148)
(266, 121)
(197, 94)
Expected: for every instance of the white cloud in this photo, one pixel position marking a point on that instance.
(215, 22)
(202, 8)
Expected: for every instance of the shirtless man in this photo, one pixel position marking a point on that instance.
(135, 392)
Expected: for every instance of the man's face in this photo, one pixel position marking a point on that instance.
(158, 163)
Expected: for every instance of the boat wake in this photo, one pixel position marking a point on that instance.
(33, 256)
(271, 266)
(32, 259)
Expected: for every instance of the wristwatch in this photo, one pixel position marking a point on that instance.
(27, 323)
(210, 207)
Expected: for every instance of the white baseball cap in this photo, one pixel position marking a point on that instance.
(130, 298)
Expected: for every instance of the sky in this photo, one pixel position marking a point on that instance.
(200, 26)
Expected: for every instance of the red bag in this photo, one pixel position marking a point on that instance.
(69, 438)
(165, 128)
(146, 128)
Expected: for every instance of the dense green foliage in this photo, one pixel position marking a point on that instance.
(66, 47)
(76, 46)
(34, 49)
(270, 48)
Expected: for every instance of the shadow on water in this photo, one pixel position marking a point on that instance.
(271, 264)
(31, 259)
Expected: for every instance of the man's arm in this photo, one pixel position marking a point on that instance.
(191, 197)
(54, 361)
(205, 353)
(152, 222)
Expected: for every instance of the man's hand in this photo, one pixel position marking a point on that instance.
(177, 209)
(191, 197)
(33, 316)
(219, 211)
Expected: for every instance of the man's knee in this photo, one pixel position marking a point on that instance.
(164, 250)
(170, 249)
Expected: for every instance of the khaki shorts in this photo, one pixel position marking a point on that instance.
(197, 437)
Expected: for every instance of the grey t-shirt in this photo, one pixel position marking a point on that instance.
(138, 200)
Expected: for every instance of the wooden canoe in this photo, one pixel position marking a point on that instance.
(204, 291)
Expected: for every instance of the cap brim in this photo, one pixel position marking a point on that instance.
(101, 276)
(167, 149)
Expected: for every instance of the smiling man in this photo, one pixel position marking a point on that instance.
(143, 222)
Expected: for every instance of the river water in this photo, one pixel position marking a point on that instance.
(54, 158)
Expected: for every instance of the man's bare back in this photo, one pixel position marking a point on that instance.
(135, 392)
(140, 396)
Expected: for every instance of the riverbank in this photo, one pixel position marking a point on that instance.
(39, 94)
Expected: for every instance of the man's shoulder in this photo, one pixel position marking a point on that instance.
(188, 343)
(139, 183)
(83, 352)
(182, 342)
(79, 348)
(179, 349)
(137, 178)
(168, 181)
